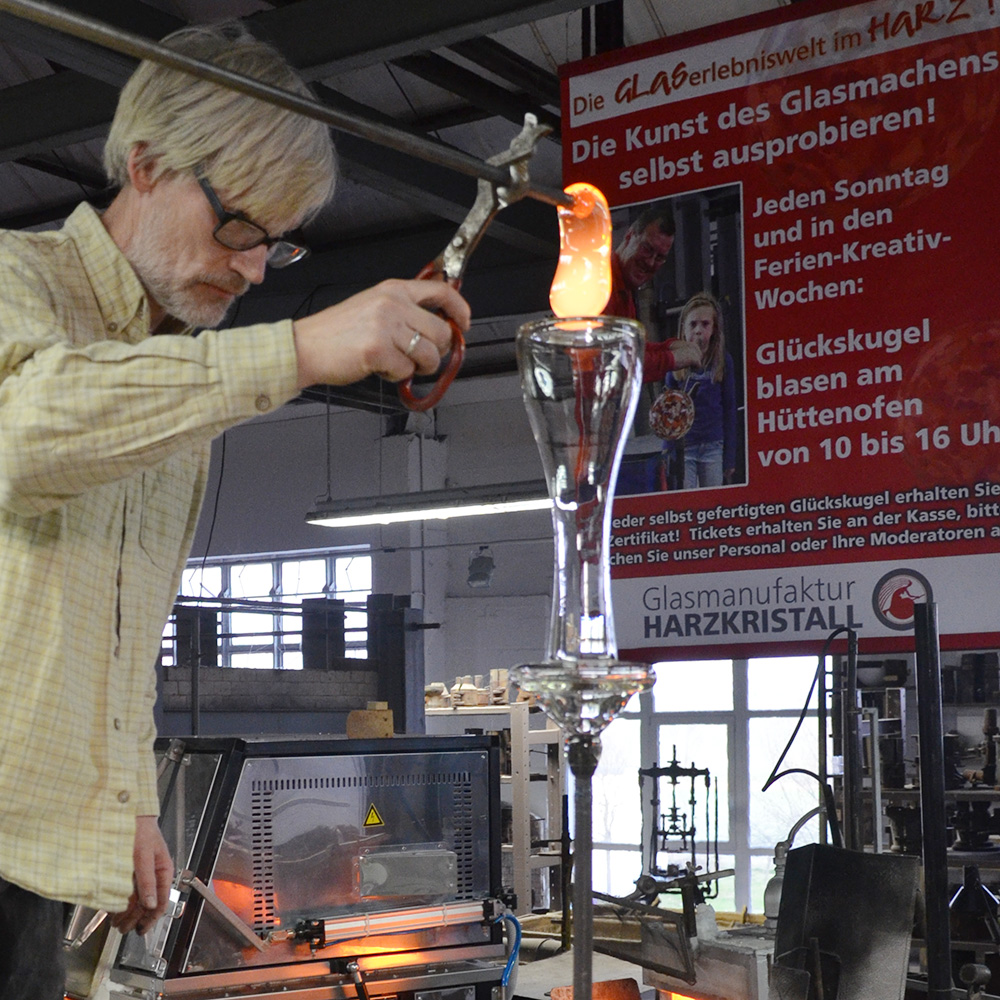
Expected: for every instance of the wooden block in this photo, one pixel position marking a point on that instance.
(365, 723)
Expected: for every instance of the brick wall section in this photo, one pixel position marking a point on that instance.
(235, 690)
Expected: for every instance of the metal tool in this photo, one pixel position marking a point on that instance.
(77, 937)
(242, 930)
(450, 264)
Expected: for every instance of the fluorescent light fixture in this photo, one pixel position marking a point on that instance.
(464, 501)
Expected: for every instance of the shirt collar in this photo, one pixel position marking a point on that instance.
(120, 295)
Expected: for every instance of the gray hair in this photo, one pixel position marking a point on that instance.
(277, 164)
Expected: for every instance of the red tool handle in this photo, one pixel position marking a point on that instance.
(420, 403)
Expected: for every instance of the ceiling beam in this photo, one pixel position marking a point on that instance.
(68, 107)
(52, 112)
(319, 37)
(325, 38)
(538, 83)
(527, 226)
(88, 58)
(429, 187)
(81, 176)
(458, 80)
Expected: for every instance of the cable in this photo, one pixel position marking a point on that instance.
(802, 715)
(215, 507)
(512, 958)
(831, 816)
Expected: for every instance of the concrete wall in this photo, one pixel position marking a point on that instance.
(258, 702)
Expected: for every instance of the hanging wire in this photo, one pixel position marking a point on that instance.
(406, 97)
(215, 510)
(655, 17)
(546, 51)
(828, 796)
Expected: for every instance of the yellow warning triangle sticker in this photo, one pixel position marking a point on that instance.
(373, 818)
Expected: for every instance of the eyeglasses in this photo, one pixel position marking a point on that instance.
(651, 254)
(236, 232)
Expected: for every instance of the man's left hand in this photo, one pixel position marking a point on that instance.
(153, 876)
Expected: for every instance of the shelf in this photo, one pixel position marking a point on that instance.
(476, 709)
(550, 736)
(545, 860)
(527, 746)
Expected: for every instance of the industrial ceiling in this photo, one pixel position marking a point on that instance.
(458, 73)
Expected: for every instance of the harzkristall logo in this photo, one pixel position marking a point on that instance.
(896, 593)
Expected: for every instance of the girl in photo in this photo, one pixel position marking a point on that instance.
(709, 447)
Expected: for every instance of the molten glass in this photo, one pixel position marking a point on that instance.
(582, 282)
(580, 377)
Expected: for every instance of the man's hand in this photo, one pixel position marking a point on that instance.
(153, 874)
(686, 354)
(375, 333)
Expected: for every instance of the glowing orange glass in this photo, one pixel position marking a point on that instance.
(582, 282)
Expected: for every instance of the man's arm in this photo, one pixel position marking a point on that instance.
(667, 356)
(74, 417)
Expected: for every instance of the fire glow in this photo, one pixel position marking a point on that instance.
(582, 282)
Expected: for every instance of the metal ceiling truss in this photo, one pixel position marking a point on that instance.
(66, 107)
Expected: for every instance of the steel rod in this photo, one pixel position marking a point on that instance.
(853, 777)
(127, 43)
(932, 805)
(583, 753)
(821, 727)
(878, 821)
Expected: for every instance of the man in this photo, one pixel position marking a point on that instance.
(635, 261)
(639, 255)
(108, 405)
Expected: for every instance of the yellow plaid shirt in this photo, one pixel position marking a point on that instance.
(104, 446)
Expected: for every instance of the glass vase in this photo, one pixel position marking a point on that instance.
(580, 378)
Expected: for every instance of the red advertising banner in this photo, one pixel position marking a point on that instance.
(832, 179)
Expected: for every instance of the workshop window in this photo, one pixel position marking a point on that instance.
(253, 604)
(732, 718)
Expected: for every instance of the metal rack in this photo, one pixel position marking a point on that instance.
(517, 775)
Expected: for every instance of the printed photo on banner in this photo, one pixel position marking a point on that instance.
(677, 266)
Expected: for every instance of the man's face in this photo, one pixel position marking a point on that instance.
(186, 273)
(641, 255)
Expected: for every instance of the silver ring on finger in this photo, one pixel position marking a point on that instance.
(412, 346)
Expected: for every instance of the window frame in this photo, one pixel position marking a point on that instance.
(737, 722)
(277, 643)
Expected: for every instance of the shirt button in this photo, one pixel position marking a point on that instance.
(118, 723)
(263, 403)
(123, 797)
(112, 327)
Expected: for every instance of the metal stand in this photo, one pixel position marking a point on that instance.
(932, 807)
(580, 378)
(583, 753)
(853, 771)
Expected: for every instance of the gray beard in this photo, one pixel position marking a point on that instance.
(150, 259)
